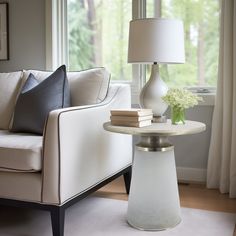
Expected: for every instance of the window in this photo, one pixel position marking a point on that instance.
(98, 35)
(87, 33)
(201, 28)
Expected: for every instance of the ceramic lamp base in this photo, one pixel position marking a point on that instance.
(152, 93)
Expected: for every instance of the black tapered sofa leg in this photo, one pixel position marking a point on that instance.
(58, 220)
(127, 179)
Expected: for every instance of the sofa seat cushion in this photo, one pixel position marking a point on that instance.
(20, 152)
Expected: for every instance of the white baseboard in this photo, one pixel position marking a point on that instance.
(191, 174)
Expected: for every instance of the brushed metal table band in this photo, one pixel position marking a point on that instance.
(159, 119)
(154, 144)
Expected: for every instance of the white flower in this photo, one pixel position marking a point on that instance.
(181, 98)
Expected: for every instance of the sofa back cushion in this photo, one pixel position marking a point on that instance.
(9, 86)
(87, 87)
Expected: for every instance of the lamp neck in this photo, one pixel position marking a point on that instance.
(155, 69)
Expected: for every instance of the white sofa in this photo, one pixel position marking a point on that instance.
(74, 157)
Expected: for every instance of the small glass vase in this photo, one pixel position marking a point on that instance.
(177, 115)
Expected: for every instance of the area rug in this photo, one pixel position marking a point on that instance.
(106, 217)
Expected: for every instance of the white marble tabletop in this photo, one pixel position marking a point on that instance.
(159, 129)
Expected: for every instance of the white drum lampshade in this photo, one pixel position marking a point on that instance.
(156, 41)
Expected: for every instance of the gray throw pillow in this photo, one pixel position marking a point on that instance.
(37, 99)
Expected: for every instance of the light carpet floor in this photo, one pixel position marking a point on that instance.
(106, 217)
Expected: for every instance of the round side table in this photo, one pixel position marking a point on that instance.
(154, 198)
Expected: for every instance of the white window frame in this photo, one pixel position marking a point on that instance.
(56, 33)
(57, 48)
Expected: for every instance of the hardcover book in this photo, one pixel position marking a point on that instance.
(131, 118)
(132, 112)
(132, 124)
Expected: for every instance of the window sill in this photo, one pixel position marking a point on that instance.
(208, 99)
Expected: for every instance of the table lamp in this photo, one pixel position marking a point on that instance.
(156, 41)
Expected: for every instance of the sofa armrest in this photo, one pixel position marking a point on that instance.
(78, 153)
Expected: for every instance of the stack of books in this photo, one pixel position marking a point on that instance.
(131, 117)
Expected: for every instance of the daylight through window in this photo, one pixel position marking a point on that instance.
(201, 29)
(98, 35)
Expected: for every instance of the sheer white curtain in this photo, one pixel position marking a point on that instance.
(221, 171)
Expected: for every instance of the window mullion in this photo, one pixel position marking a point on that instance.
(56, 33)
(157, 8)
(49, 34)
(138, 70)
(64, 33)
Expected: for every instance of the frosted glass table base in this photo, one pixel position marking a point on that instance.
(154, 198)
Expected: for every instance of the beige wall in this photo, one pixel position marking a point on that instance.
(26, 34)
